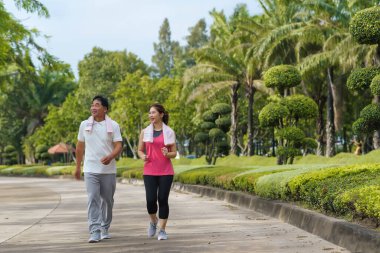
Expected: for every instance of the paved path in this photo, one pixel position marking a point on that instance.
(49, 215)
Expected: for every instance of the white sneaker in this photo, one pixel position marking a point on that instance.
(162, 235)
(105, 234)
(94, 237)
(152, 229)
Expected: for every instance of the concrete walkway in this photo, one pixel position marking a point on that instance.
(49, 215)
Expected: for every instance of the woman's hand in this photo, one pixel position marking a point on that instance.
(165, 151)
(144, 158)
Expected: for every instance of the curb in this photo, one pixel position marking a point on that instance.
(355, 238)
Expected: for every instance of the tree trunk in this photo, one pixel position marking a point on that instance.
(131, 148)
(376, 134)
(250, 93)
(330, 125)
(320, 127)
(234, 118)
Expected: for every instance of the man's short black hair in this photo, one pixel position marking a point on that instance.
(103, 100)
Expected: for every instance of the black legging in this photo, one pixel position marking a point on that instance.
(158, 187)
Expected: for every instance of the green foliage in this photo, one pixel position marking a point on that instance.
(224, 123)
(221, 108)
(41, 153)
(321, 188)
(360, 126)
(201, 137)
(365, 26)
(209, 116)
(362, 202)
(9, 155)
(216, 134)
(309, 143)
(288, 151)
(360, 79)
(375, 85)
(301, 106)
(293, 134)
(369, 120)
(207, 125)
(272, 114)
(282, 77)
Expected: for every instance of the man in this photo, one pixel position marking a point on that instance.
(99, 138)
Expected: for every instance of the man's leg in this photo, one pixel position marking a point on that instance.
(94, 201)
(107, 191)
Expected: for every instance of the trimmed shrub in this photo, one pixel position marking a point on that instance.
(216, 134)
(301, 106)
(271, 114)
(365, 26)
(293, 134)
(201, 137)
(221, 108)
(209, 116)
(282, 76)
(207, 125)
(375, 85)
(10, 155)
(360, 79)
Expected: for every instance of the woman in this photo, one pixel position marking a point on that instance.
(156, 148)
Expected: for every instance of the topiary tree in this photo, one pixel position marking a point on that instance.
(360, 79)
(284, 114)
(213, 138)
(365, 28)
(42, 154)
(9, 155)
(282, 77)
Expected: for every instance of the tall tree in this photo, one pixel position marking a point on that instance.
(163, 58)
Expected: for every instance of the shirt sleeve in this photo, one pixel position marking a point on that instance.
(81, 132)
(116, 133)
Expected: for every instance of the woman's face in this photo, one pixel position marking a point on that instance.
(155, 116)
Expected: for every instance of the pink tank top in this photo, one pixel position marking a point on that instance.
(157, 164)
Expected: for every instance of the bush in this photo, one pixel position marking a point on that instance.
(221, 108)
(362, 202)
(365, 26)
(216, 134)
(360, 79)
(271, 114)
(10, 155)
(201, 137)
(319, 189)
(207, 125)
(224, 123)
(293, 134)
(375, 85)
(209, 116)
(282, 76)
(301, 106)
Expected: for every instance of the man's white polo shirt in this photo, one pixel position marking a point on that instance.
(98, 144)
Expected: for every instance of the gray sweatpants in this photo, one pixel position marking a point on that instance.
(100, 192)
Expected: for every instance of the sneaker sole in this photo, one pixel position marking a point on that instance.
(93, 241)
(106, 237)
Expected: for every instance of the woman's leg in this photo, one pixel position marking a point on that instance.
(164, 185)
(151, 186)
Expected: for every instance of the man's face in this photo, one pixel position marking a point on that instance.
(97, 110)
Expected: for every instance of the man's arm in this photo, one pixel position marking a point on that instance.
(117, 147)
(79, 157)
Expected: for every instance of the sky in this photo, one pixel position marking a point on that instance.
(76, 26)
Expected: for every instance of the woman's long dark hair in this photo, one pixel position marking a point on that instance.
(160, 108)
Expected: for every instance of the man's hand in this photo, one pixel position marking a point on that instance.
(106, 160)
(77, 173)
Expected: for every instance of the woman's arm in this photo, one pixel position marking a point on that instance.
(140, 149)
